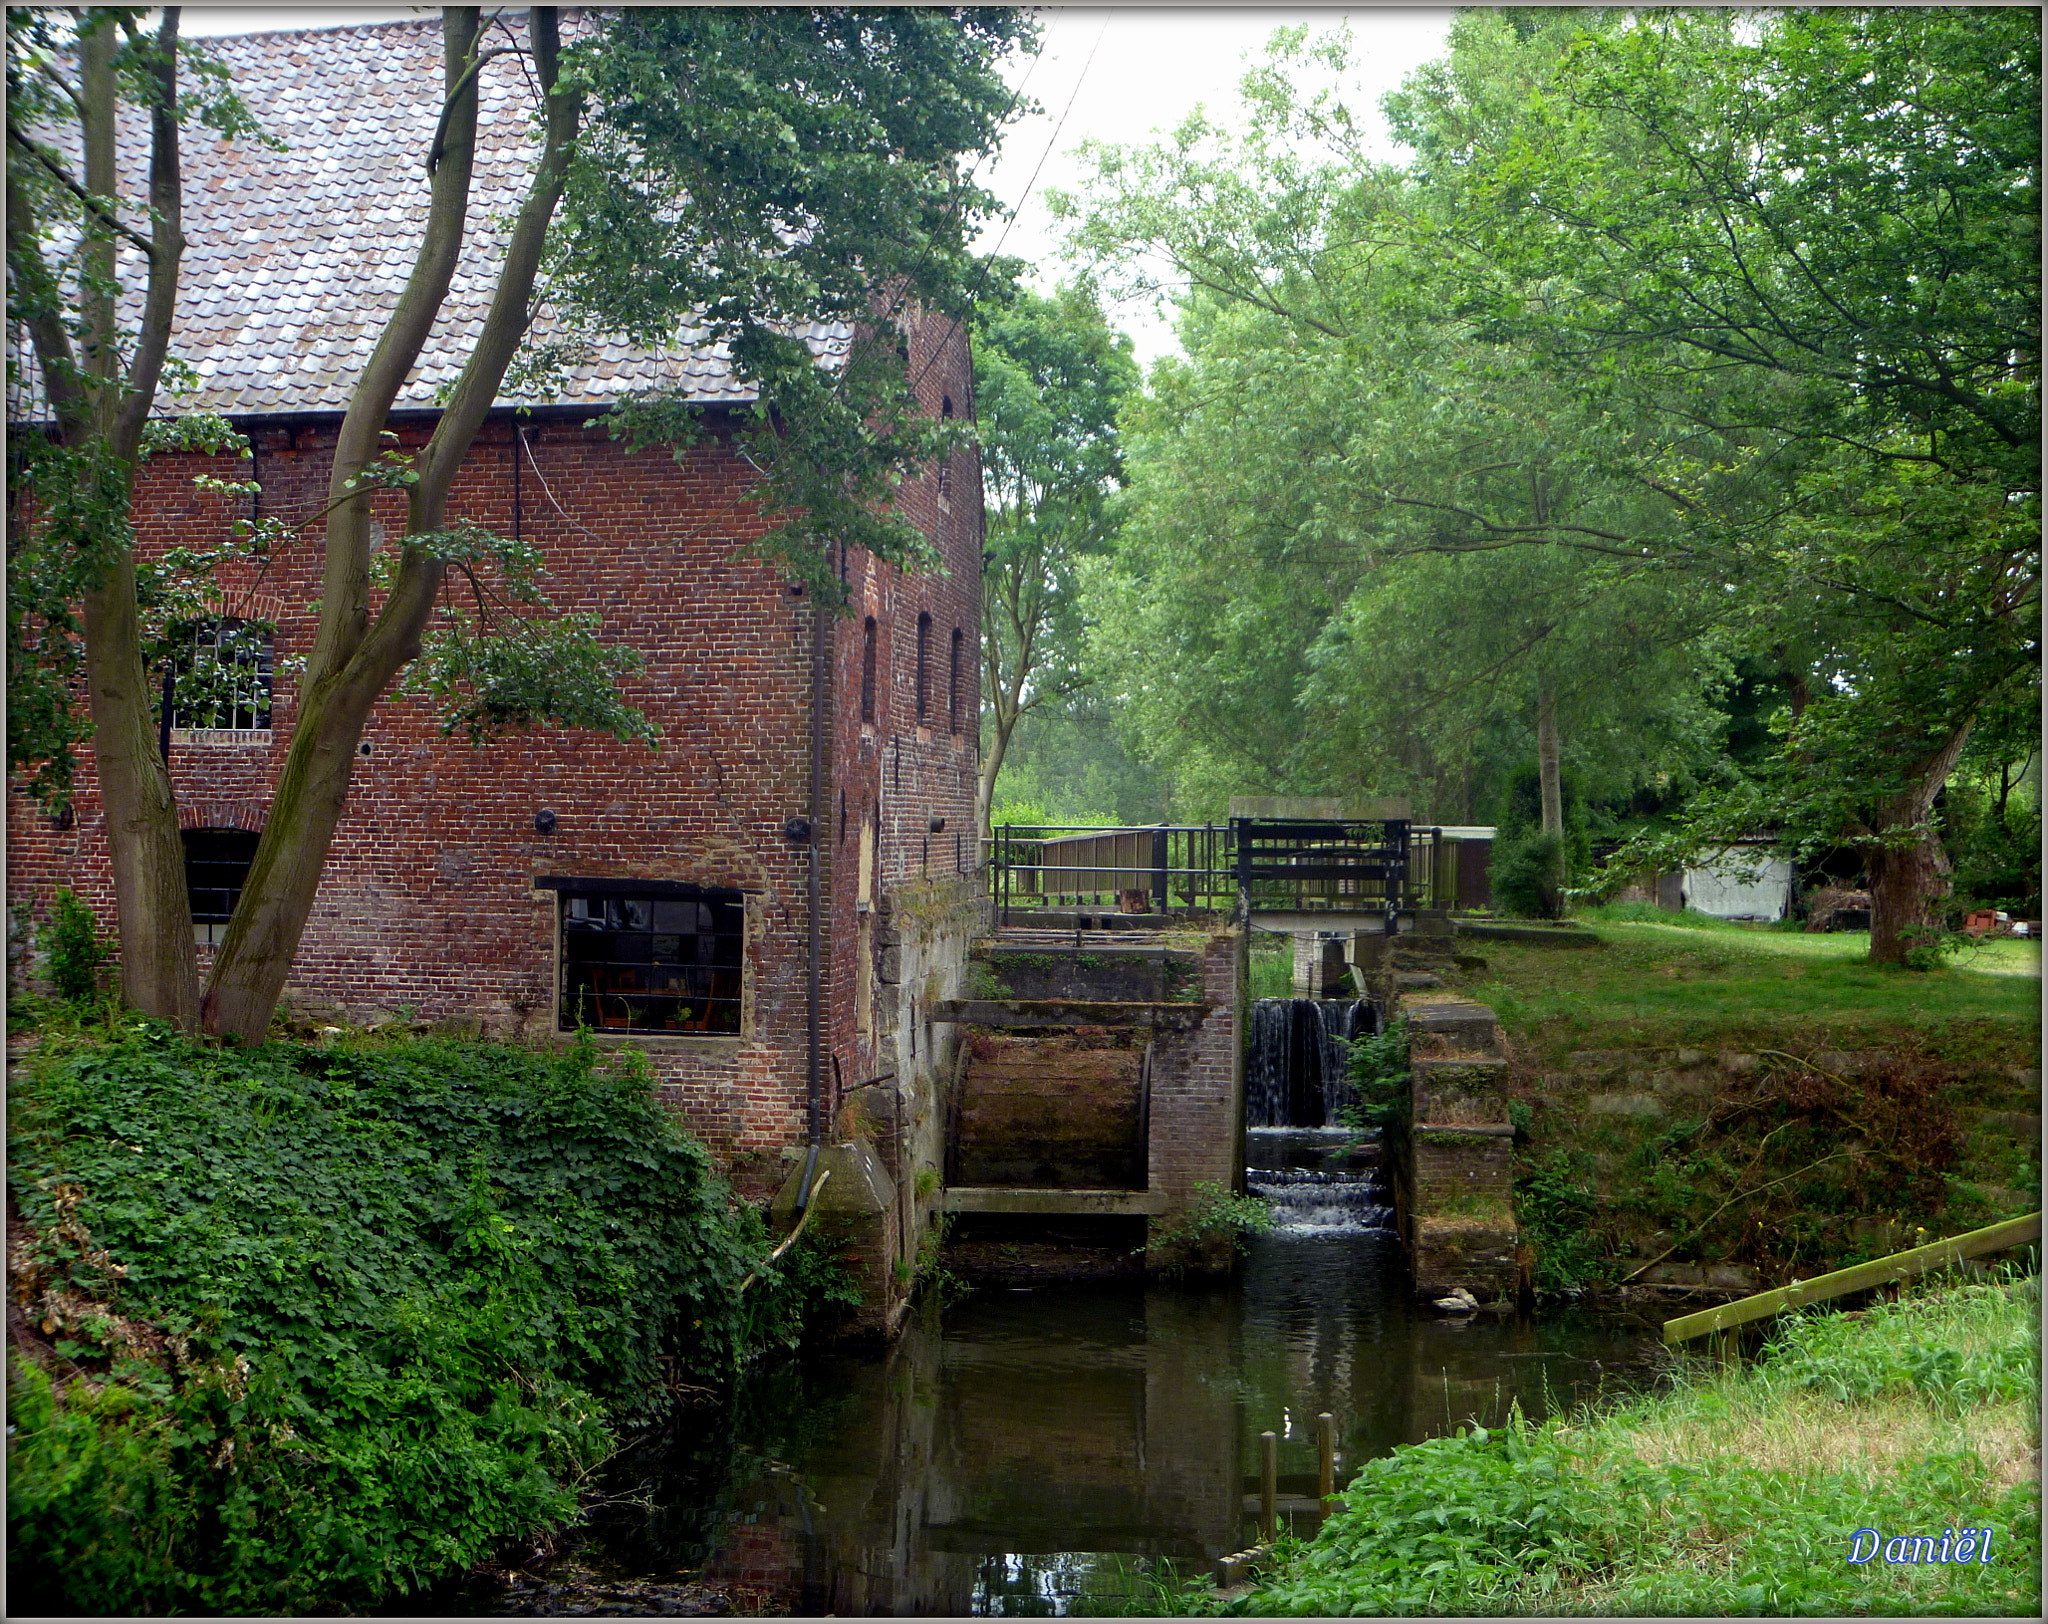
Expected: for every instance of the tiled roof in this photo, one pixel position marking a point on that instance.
(294, 259)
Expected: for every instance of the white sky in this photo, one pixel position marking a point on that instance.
(1115, 75)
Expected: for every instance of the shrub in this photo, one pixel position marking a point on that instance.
(1380, 1080)
(378, 1308)
(1528, 877)
(1555, 1210)
(71, 941)
(1215, 1211)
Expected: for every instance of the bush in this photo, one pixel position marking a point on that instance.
(1555, 1209)
(1528, 877)
(378, 1308)
(1380, 1081)
(71, 941)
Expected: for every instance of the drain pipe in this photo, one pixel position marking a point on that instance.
(813, 1070)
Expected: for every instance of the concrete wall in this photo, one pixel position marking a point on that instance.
(925, 928)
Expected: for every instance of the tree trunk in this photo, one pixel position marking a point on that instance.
(1909, 875)
(254, 962)
(153, 910)
(354, 659)
(1546, 764)
(991, 765)
(159, 969)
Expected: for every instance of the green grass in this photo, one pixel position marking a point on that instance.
(1710, 983)
(1271, 973)
(1996, 956)
(1735, 1491)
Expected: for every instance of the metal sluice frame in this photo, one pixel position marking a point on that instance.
(1374, 867)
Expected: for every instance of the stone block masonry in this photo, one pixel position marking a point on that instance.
(1453, 1168)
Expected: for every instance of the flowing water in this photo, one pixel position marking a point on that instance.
(1297, 1063)
(1026, 1448)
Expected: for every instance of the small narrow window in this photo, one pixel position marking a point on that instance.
(867, 670)
(223, 673)
(216, 866)
(953, 683)
(924, 665)
(946, 461)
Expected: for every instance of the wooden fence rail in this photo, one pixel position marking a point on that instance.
(1877, 1272)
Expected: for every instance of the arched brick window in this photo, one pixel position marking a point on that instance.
(946, 461)
(867, 670)
(924, 667)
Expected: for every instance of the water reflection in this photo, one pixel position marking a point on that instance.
(1015, 1454)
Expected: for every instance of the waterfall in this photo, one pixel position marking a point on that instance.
(1310, 1201)
(1298, 1071)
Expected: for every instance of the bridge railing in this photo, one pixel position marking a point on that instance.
(1199, 868)
(1176, 866)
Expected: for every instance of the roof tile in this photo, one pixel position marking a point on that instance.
(294, 258)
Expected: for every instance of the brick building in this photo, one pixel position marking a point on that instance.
(559, 879)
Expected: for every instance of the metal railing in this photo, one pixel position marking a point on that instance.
(1301, 866)
(1059, 865)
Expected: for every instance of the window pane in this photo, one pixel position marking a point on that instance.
(652, 963)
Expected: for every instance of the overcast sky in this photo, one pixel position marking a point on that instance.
(1116, 75)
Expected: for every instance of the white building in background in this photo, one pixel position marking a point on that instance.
(1741, 882)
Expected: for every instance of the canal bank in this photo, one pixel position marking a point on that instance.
(1019, 1451)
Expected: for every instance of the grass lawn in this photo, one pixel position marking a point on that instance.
(1713, 984)
(1731, 1492)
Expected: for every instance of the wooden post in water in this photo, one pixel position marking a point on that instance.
(1326, 1461)
(1269, 1487)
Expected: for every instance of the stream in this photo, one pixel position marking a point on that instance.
(1022, 1451)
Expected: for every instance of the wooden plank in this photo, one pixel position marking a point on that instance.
(1877, 1272)
(1025, 1203)
(1029, 1012)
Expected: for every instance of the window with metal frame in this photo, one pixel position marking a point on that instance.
(650, 957)
(223, 671)
(216, 865)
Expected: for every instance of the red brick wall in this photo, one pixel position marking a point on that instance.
(1197, 1105)
(427, 901)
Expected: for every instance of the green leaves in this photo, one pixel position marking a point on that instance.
(412, 1289)
(788, 184)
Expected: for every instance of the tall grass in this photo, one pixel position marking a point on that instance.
(1271, 973)
(1734, 1491)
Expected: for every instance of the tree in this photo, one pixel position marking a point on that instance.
(731, 174)
(72, 607)
(1049, 375)
(1748, 305)
(1811, 236)
(1369, 547)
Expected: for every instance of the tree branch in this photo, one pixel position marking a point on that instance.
(93, 205)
